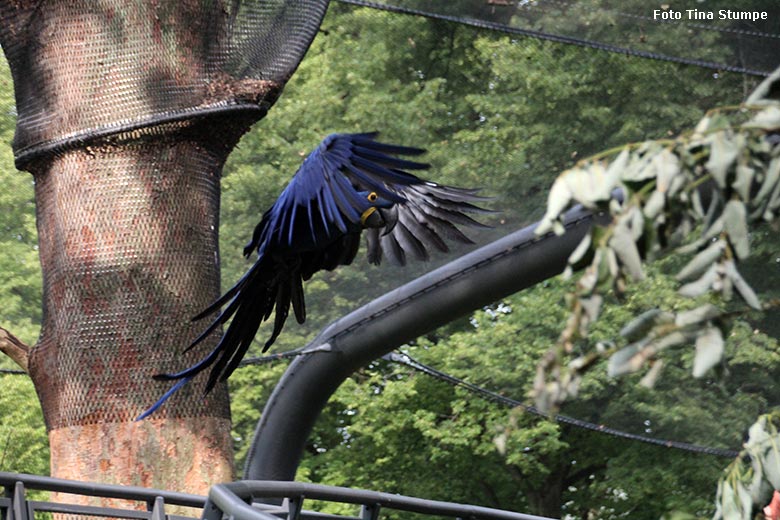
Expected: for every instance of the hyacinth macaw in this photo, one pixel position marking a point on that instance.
(348, 185)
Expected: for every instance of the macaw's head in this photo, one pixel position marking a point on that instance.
(371, 218)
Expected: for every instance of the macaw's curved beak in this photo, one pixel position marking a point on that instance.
(372, 218)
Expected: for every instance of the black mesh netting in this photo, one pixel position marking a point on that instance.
(126, 114)
(87, 69)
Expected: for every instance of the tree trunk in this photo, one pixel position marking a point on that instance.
(127, 236)
(546, 499)
(127, 111)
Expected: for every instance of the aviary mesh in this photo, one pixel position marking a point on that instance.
(127, 111)
(126, 65)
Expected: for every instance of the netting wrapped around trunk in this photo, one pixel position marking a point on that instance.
(127, 111)
(89, 69)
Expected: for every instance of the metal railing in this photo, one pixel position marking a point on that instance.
(235, 501)
(150, 503)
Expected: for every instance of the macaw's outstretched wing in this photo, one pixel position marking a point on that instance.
(429, 214)
(329, 194)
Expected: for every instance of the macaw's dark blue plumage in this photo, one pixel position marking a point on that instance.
(349, 184)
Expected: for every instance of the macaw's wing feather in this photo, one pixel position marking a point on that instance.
(324, 199)
(430, 213)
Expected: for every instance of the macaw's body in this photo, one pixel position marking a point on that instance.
(350, 184)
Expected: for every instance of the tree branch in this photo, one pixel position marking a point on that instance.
(15, 349)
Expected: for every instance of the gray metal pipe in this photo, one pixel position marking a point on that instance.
(470, 282)
(233, 500)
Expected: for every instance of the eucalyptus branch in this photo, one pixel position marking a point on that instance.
(749, 480)
(729, 149)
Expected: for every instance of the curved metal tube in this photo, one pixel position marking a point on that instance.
(470, 282)
(233, 499)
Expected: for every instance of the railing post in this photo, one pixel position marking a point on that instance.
(211, 511)
(369, 511)
(20, 509)
(158, 510)
(294, 507)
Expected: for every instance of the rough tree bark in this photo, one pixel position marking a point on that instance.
(127, 213)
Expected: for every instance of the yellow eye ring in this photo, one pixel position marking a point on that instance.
(372, 197)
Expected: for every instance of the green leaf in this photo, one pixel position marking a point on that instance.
(642, 167)
(757, 435)
(771, 463)
(744, 181)
(735, 223)
(625, 360)
(714, 210)
(592, 306)
(579, 251)
(743, 288)
(617, 167)
(593, 183)
(500, 442)
(723, 153)
(766, 119)
(654, 205)
(625, 248)
(709, 350)
(631, 357)
(702, 261)
(770, 179)
(641, 325)
(636, 223)
(758, 484)
(649, 379)
(696, 204)
(746, 504)
(673, 339)
(714, 230)
(558, 200)
(700, 314)
(702, 126)
(667, 167)
(728, 501)
(702, 285)
(774, 200)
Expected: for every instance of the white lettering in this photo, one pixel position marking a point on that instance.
(667, 14)
(695, 14)
(728, 14)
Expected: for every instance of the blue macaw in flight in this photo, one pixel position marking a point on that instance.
(348, 185)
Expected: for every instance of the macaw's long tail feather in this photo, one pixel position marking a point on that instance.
(239, 335)
(222, 300)
(250, 302)
(298, 302)
(164, 398)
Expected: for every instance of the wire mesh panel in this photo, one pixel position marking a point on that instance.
(126, 65)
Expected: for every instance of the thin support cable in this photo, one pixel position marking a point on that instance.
(405, 359)
(482, 24)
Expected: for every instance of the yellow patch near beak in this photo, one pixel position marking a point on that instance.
(367, 213)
